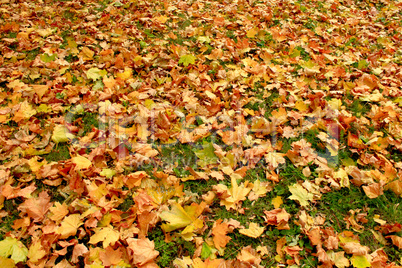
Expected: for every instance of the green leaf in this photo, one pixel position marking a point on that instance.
(107, 172)
(14, 248)
(362, 64)
(206, 251)
(47, 58)
(206, 155)
(98, 85)
(95, 73)
(187, 59)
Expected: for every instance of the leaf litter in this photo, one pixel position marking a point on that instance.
(281, 103)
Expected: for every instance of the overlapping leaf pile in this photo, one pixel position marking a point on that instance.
(213, 128)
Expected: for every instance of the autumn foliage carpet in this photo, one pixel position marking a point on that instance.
(200, 133)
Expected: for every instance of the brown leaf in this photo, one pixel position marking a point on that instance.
(142, 250)
(110, 257)
(396, 240)
(219, 231)
(36, 208)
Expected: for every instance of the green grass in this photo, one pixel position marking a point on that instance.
(60, 152)
(335, 205)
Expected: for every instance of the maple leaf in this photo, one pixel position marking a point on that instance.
(206, 155)
(61, 134)
(249, 255)
(278, 217)
(36, 208)
(219, 231)
(7, 263)
(59, 211)
(338, 259)
(179, 217)
(373, 190)
(107, 235)
(111, 257)
(187, 59)
(36, 251)
(25, 111)
(231, 197)
(254, 230)
(143, 250)
(396, 240)
(277, 201)
(95, 73)
(259, 190)
(69, 226)
(300, 194)
(11, 247)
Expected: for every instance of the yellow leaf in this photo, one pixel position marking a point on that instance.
(44, 32)
(233, 195)
(179, 217)
(126, 74)
(251, 33)
(81, 162)
(259, 190)
(360, 261)
(59, 211)
(253, 230)
(24, 112)
(35, 165)
(61, 134)
(105, 234)
(11, 247)
(343, 178)
(300, 194)
(36, 252)
(40, 90)
(87, 54)
(301, 106)
(339, 259)
(379, 237)
(162, 19)
(6, 263)
(69, 226)
(277, 201)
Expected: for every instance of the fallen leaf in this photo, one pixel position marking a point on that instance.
(14, 249)
(360, 261)
(81, 162)
(69, 226)
(254, 230)
(143, 250)
(106, 235)
(300, 194)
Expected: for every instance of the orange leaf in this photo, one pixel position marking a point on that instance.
(110, 256)
(219, 231)
(396, 240)
(36, 208)
(142, 250)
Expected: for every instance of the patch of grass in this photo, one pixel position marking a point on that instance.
(127, 203)
(11, 206)
(359, 108)
(59, 153)
(336, 205)
(179, 155)
(31, 55)
(168, 252)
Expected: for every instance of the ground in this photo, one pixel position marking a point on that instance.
(200, 133)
